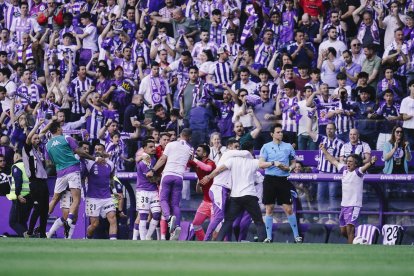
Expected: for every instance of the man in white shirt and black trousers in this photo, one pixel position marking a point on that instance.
(243, 193)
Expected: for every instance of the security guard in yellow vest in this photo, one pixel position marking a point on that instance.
(22, 202)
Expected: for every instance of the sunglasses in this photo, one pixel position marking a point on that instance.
(357, 44)
(398, 131)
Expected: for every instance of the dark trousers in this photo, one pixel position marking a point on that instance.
(40, 195)
(235, 207)
(19, 215)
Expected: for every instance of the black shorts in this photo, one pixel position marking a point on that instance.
(277, 188)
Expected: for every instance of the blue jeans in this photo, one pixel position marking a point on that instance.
(327, 195)
(305, 143)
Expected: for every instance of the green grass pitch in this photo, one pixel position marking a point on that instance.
(104, 257)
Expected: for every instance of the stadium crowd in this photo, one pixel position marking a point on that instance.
(90, 88)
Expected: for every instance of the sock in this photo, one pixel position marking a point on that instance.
(70, 218)
(71, 230)
(143, 229)
(56, 225)
(112, 236)
(269, 226)
(293, 224)
(153, 224)
(158, 233)
(135, 234)
(199, 232)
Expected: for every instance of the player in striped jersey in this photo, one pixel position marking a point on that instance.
(352, 190)
(327, 191)
(264, 48)
(77, 88)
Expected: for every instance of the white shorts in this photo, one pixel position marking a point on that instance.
(66, 200)
(148, 200)
(73, 180)
(96, 207)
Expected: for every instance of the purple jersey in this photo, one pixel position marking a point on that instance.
(94, 122)
(143, 184)
(322, 109)
(224, 122)
(99, 179)
(102, 87)
(130, 27)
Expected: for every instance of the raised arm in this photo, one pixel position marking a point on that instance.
(328, 156)
(33, 131)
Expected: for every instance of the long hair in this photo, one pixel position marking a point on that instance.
(392, 140)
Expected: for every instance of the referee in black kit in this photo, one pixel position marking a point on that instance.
(276, 187)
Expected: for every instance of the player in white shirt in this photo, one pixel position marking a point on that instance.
(175, 157)
(243, 195)
(220, 189)
(352, 189)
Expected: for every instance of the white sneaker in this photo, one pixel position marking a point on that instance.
(267, 240)
(171, 224)
(298, 239)
(176, 234)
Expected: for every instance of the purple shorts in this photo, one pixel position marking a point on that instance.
(349, 215)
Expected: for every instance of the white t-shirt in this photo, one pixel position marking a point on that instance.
(304, 120)
(178, 153)
(391, 24)
(338, 45)
(224, 179)
(407, 107)
(89, 42)
(243, 183)
(250, 86)
(352, 187)
(11, 88)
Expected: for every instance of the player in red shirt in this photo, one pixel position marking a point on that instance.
(203, 168)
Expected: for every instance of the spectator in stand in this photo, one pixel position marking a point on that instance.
(407, 112)
(351, 69)
(389, 83)
(366, 126)
(245, 82)
(305, 115)
(265, 113)
(330, 66)
(362, 83)
(344, 115)
(358, 55)
(396, 153)
(371, 64)
(355, 146)
(301, 51)
(390, 117)
(287, 106)
(332, 42)
(321, 101)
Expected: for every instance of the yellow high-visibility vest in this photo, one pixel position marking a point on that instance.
(25, 185)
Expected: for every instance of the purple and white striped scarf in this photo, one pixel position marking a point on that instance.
(247, 29)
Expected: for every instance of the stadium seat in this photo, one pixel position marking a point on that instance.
(369, 232)
(283, 233)
(335, 236)
(408, 237)
(391, 234)
(317, 233)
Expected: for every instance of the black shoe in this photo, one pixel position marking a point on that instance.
(66, 227)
